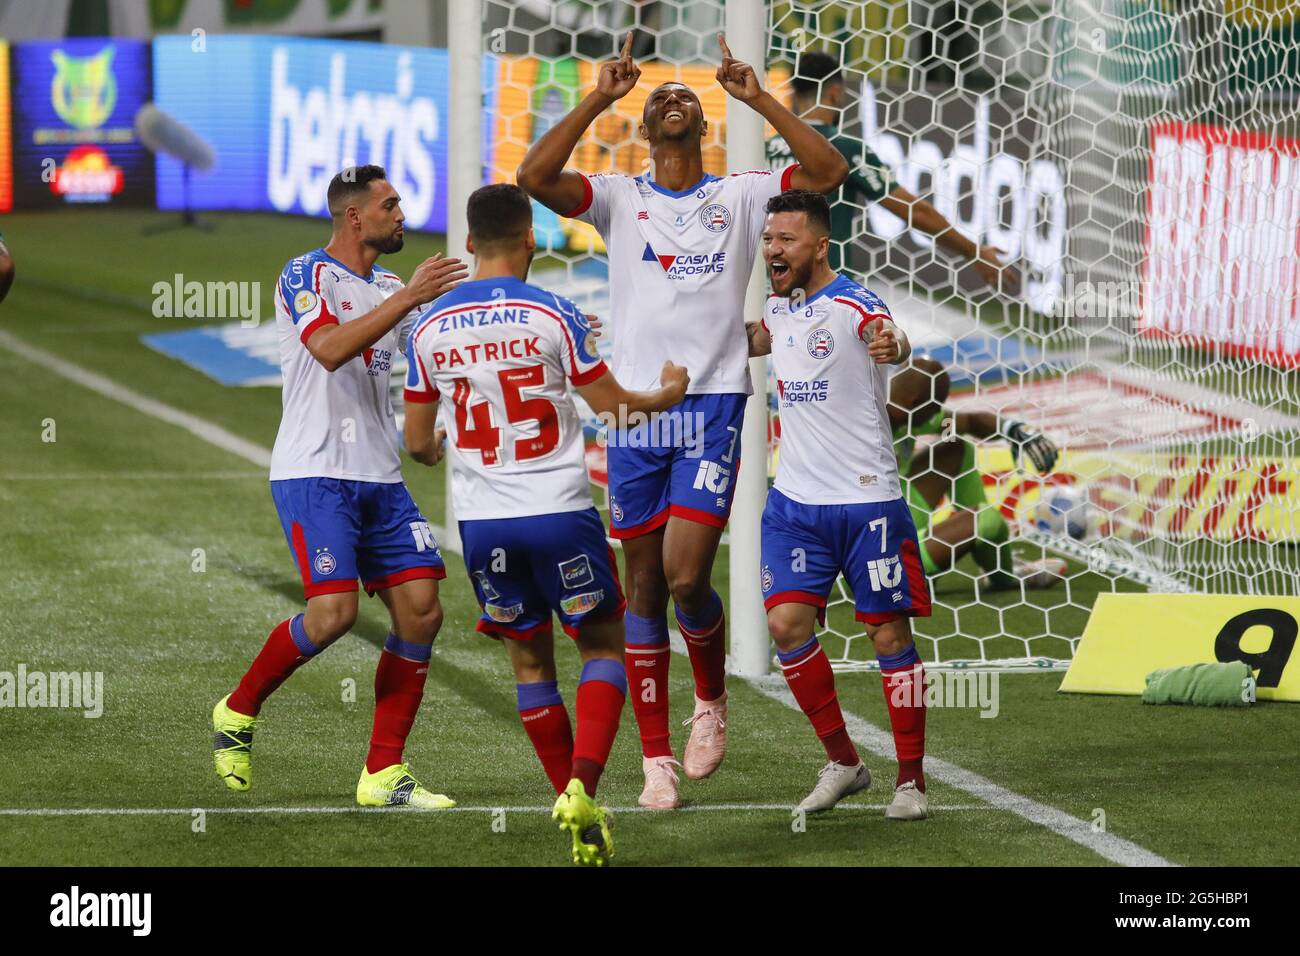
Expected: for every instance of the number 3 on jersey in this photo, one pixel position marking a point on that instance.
(484, 436)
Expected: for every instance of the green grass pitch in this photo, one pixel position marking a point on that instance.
(98, 531)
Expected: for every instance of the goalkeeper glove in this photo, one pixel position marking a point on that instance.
(1037, 446)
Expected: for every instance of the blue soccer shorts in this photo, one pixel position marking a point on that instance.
(523, 569)
(874, 545)
(340, 530)
(684, 464)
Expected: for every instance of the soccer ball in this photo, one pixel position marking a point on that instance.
(1062, 510)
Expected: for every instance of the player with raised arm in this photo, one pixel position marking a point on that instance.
(681, 248)
(818, 98)
(498, 354)
(945, 468)
(837, 505)
(337, 483)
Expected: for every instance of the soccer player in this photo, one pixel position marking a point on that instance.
(946, 469)
(837, 505)
(496, 354)
(818, 98)
(681, 248)
(337, 484)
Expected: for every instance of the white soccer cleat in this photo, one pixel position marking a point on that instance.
(1044, 573)
(835, 782)
(909, 804)
(708, 742)
(660, 791)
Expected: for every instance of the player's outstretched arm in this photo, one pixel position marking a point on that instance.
(760, 339)
(542, 174)
(608, 398)
(821, 166)
(335, 345)
(420, 434)
(920, 214)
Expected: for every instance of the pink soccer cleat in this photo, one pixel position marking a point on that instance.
(708, 743)
(660, 791)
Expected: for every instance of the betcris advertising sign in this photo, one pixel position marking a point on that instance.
(285, 114)
(74, 106)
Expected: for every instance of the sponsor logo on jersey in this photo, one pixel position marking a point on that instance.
(615, 511)
(865, 480)
(485, 585)
(712, 477)
(576, 571)
(792, 392)
(325, 562)
(768, 580)
(715, 217)
(885, 573)
(347, 306)
(304, 301)
(642, 216)
(820, 343)
(377, 361)
(504, 613)
(682, 266)
(581, 603)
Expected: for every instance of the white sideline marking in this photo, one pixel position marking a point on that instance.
(1106, 845)
(200, 428)
(176, 811)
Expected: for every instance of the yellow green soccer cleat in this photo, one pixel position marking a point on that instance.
(593, 845)
(395, 787)
(232, 746)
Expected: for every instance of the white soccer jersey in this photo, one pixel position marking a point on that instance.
(836, 443)
(497, 353)
(679, 264)
(336, 424)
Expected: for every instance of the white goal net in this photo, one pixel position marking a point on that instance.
(1138, 164)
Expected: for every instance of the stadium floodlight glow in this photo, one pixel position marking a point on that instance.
(161, 133)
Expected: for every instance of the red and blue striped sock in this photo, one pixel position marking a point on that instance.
(706, 643)
(646, 657)
(285, 650)
(903, 677)
(399, 688)
(541, 708)
(601, 692)
(810, 678)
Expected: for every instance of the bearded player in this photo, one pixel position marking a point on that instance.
(498, 354)
(337, 484)
(837, 505)
(681, 248)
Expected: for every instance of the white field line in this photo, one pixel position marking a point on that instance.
(881, 743)
(198, 427)
(189, 811)
(1106, 845)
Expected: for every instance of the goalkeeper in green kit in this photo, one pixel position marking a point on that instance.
(946, 468)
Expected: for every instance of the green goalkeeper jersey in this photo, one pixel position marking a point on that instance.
(905, 438)
(869, 181)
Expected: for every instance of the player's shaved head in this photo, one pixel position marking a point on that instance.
(672, 98)
(499, 216)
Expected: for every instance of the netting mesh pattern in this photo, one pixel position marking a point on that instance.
(1135, 163)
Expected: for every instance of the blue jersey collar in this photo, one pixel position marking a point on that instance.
(369, 278)
(664, 191)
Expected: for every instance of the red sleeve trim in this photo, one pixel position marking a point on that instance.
(319, 322)
(593, 373)
(420, 398)
(762, 320)
(586, 199)
(866, 316)
(787, 177)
